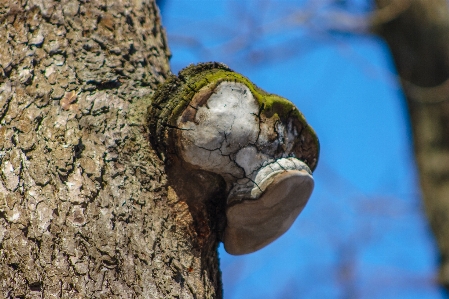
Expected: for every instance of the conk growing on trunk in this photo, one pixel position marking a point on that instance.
(221, 134)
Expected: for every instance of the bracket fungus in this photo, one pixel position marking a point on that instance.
(213, 125)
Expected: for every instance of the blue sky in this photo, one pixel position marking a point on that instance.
(363, 233)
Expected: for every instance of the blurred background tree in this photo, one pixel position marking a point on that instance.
(363, 234)
(417, 33)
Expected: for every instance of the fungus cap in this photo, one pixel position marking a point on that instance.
(260, 144)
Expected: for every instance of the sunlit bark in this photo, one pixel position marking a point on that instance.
(85, 208)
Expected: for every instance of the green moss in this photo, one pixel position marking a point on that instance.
(212, 78)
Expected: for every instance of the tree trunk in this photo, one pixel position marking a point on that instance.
(85, 207)
(418, 35)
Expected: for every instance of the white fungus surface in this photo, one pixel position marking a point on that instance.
(222, 127)
(267, 187)
(226, 136)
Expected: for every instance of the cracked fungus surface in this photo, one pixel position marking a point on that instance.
(229, 135)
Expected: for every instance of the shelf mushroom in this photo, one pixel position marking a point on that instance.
(216, 121)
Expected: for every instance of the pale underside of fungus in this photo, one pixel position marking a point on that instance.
(260, 145)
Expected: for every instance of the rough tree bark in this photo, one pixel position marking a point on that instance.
(417, 32)
(85, 207)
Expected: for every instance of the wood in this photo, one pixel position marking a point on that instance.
(85, 207)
